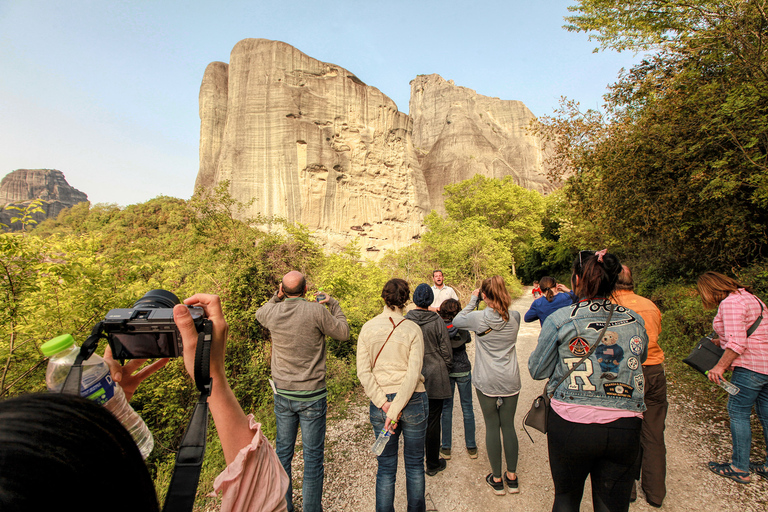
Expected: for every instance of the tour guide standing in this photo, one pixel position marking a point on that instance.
(298, 329)
(654, 452)
(441, 291)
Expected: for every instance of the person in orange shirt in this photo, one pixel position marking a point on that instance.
(654, 452)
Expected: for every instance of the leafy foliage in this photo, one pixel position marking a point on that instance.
(674, 171)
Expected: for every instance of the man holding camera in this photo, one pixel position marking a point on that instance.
(653, 450)
(298, 329)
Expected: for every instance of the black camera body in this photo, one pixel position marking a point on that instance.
(147, 330)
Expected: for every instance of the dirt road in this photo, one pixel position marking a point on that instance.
(350, 475)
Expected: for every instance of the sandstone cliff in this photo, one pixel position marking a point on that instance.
(459, 133)
(22, 186)
(311, 143)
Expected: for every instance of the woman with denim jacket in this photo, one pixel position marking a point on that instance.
(747, 355)
(390, 354)
(596, 413)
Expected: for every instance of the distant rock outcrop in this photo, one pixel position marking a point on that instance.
(459, 133)
(22, 186)
(311, 143)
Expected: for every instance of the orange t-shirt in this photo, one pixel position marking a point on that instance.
(652, 317)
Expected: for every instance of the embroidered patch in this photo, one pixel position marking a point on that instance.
(636, 345)
(578, 346)
(618, 389)
(640, 383)
(633, 363)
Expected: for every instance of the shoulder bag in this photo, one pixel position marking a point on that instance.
(705, 355)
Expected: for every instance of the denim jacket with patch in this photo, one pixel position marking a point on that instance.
(613, 375)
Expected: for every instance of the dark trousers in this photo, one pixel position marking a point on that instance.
(607, 453)
(654, 452)
(432, 439)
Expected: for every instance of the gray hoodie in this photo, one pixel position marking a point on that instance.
(496, 372)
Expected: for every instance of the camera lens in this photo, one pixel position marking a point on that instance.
(157, 299)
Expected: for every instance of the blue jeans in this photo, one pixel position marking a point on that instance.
(465, 398)
(413, 427)
(289, 414)
(753, 390)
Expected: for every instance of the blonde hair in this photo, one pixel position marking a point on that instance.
(496, 295)
(714, 287)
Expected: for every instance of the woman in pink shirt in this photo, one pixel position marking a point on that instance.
(738, 310)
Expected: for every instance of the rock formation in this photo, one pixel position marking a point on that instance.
(22, 186)
(309, 142)
(459, 133)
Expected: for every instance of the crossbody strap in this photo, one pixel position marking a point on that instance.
(394, 326)
(591, 349)
(756, 324)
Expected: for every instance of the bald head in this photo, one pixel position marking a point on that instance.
(625, 281)
(294, 284)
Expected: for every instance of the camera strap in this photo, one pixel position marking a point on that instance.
(75, 376)
(189, 459)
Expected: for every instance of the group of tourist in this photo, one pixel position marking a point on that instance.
(598, 346)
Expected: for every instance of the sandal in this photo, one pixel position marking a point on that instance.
(727, 471)
(759, 469)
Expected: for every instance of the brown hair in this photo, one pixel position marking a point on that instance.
(496, 295)
(547, 285)
(449, 309)
(396, 293)
(595, 278)
(714, 287)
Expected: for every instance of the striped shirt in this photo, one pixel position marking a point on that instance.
(736, 314)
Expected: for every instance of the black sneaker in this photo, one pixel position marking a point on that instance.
(512, 484)
(446, 453)
(439, 468)
(498, 487)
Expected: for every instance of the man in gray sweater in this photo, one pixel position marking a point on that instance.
(298, 329)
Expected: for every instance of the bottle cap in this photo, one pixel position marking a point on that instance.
(57, 344)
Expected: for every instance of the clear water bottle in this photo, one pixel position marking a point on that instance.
(730, 387)
(96, 385)
(381, 441)
(320, 295)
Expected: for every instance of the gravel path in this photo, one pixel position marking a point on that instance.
(350, 472)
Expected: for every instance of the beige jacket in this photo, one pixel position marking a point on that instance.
(398, 368)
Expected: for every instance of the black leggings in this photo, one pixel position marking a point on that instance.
(608, 453)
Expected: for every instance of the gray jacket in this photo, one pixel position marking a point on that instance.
(298, 329)
(438, 355)
(496, 372)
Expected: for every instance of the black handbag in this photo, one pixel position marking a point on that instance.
(705, 355)
(538, 414)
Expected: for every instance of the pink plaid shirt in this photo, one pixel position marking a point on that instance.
(736, 314)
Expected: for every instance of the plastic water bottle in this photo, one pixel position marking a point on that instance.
(96, 385)
(730, 387)
(381, 441)
(320, 295)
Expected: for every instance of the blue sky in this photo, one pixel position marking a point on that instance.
(106, 91)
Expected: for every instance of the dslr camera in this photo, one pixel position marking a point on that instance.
(147, 330)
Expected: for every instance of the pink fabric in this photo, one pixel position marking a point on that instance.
(583, 413)
(255, 481)
(737, 312)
